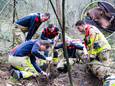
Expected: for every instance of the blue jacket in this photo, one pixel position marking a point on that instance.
(71, 49)
(29, 48)
(32, 22)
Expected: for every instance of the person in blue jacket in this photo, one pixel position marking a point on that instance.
(31, 23)
(72, 46)
(23, 58)
(71, 49)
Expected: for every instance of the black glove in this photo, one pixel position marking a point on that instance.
(96, 46)
(87, 40)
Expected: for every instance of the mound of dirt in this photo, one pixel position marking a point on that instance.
(80, 77)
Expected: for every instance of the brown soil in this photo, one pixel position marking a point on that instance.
(80, 77)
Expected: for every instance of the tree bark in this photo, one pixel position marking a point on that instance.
(64, 47)
(58, 10)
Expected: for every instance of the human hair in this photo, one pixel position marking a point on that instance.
(79, 22)
(57, 29)
(50, 25)
(47, 15)
(45, 43)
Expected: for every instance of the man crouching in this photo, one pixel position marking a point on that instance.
(23, 58)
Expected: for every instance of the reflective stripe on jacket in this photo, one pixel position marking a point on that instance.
(93, 35)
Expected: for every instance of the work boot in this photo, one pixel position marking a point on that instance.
(110, 81)
(16, 74)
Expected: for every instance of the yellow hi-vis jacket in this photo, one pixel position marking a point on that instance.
(93, 35)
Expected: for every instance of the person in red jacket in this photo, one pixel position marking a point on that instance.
(30, 24)
(50, 32)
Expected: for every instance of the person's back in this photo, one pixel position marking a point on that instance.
(23, 49)
(26, 21)
(30, 24)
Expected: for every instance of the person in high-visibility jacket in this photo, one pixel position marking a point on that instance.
(98, 48)
(30, 24)
(23, 58)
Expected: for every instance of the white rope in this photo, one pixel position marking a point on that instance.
(110, 35)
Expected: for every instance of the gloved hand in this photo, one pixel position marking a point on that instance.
(44, 73)
(49, 58)
(51, 41)
(85, 58)
(92, 56)
(85, 50)
(96, 46)
(56, 38)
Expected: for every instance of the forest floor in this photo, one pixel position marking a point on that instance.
(80, 76)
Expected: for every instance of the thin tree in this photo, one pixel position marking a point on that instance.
(14, 11)
(55, 13)
(64, 47)
(14, 15)
(63, 36)
(58, 10)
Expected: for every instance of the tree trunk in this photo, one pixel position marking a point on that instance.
(58, 10)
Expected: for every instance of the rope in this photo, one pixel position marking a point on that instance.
(110, 35)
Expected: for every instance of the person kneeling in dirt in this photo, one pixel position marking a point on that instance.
(23, 58)
(29, 24)
(72, 46)
(98, 49)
